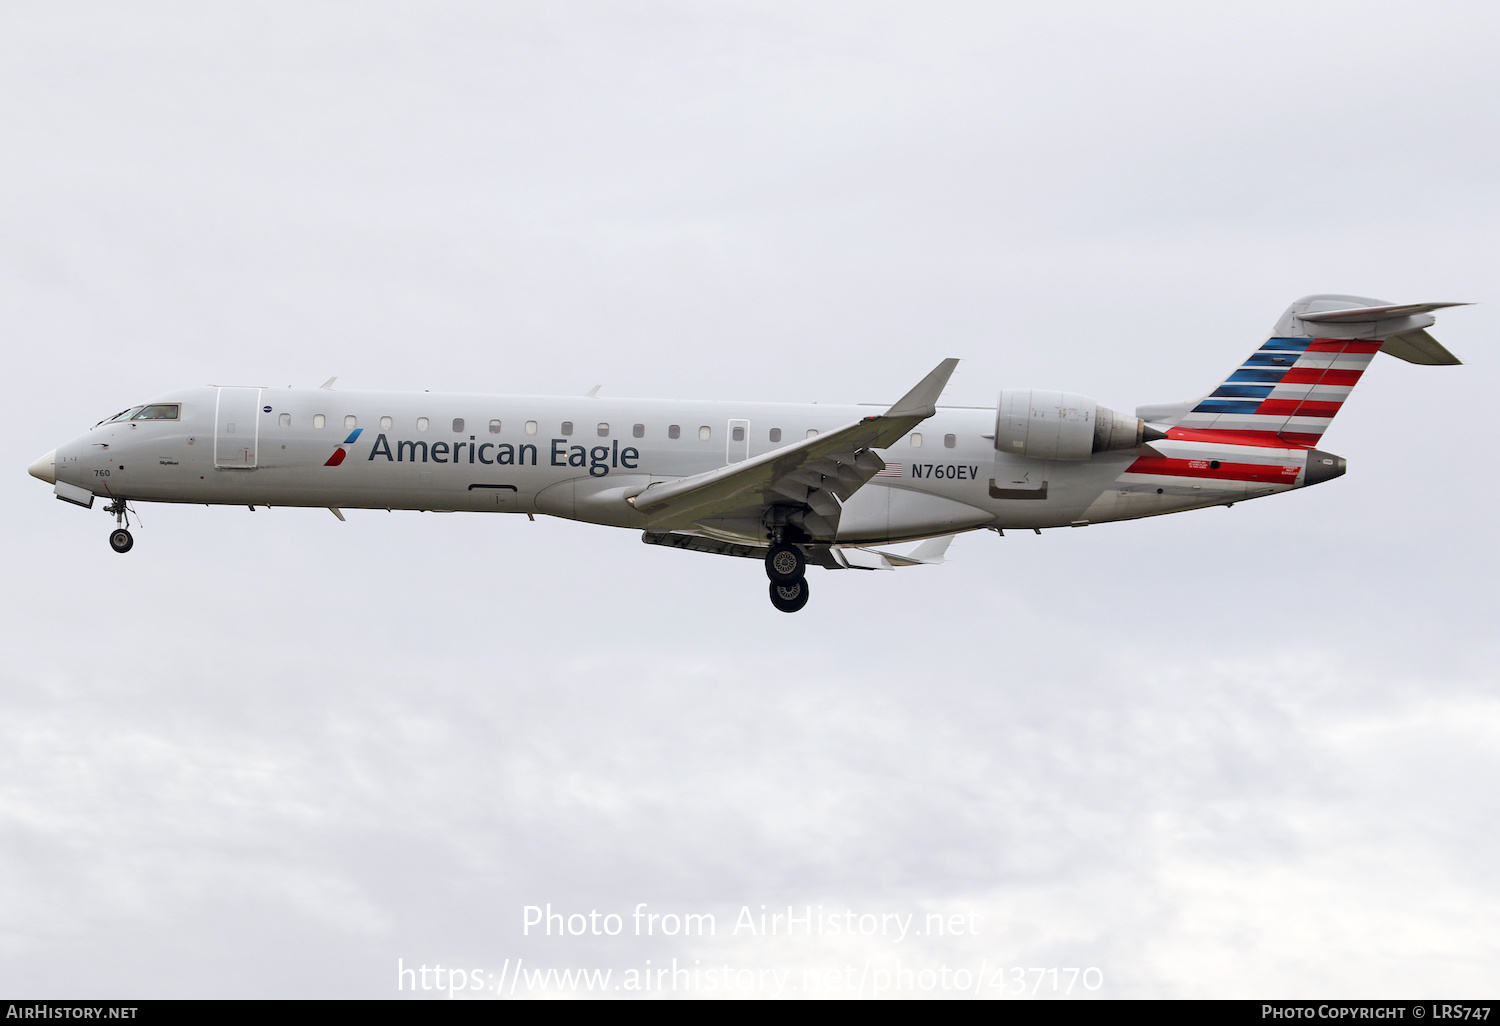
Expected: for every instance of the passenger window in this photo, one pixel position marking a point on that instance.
(318, 421)
(705, 433)
(916, 439)
(738, 434)
(567, 428)
(458, 425)
(351, 422)
(421, 423)
(531, 427)
(161, 411)
(639, 431)
(675, 431)
(776, 434)
(494, 427)
(285, 420)
(949, 441)
(385, 423)
(603, 430)
(812, 432)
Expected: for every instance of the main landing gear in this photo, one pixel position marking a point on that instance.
(786, 566)
(120, 538)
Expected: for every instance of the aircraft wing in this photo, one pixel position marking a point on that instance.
(816, 474)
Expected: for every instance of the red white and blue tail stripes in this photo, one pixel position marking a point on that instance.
(1285, 394)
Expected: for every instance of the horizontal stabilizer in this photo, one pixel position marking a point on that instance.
(1419, 347)
(1373, 313)
(1287, 391)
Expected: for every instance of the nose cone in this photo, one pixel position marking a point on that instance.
(45, 469)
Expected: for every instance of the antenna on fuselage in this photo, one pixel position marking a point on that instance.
(329, 382)
(593, 393)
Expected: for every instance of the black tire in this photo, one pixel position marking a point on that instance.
(789, 597)
(785, 564)
(120, 540)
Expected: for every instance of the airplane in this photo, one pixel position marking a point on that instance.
(788, 484)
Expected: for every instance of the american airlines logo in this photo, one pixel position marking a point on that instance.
(341, 452)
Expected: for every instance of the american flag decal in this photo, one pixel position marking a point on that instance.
(891, 470)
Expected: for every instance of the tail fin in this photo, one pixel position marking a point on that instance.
(1291, 388)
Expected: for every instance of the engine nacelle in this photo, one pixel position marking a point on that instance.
(1063, 426)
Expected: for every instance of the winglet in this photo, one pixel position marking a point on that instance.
(922, 400)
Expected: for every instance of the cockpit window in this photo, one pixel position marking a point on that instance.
(123, 415)
(160, 411)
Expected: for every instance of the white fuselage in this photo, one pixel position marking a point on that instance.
(581, 457)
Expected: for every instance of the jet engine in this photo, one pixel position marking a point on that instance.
(1063, 426)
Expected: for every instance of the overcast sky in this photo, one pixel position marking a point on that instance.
(1241, 752)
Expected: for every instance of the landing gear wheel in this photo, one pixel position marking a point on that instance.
(785, 564)
(789, 597)
(121, 541)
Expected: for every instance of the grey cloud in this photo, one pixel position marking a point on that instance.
(1226, 753)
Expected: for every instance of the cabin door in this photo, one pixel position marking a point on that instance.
(236, 428)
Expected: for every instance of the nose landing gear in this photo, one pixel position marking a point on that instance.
(786, 566)
(120, 538)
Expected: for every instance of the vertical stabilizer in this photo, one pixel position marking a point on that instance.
(1289, 390)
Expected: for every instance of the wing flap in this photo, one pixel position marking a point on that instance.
(799, 463)
(698, 543)
(819, 472)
